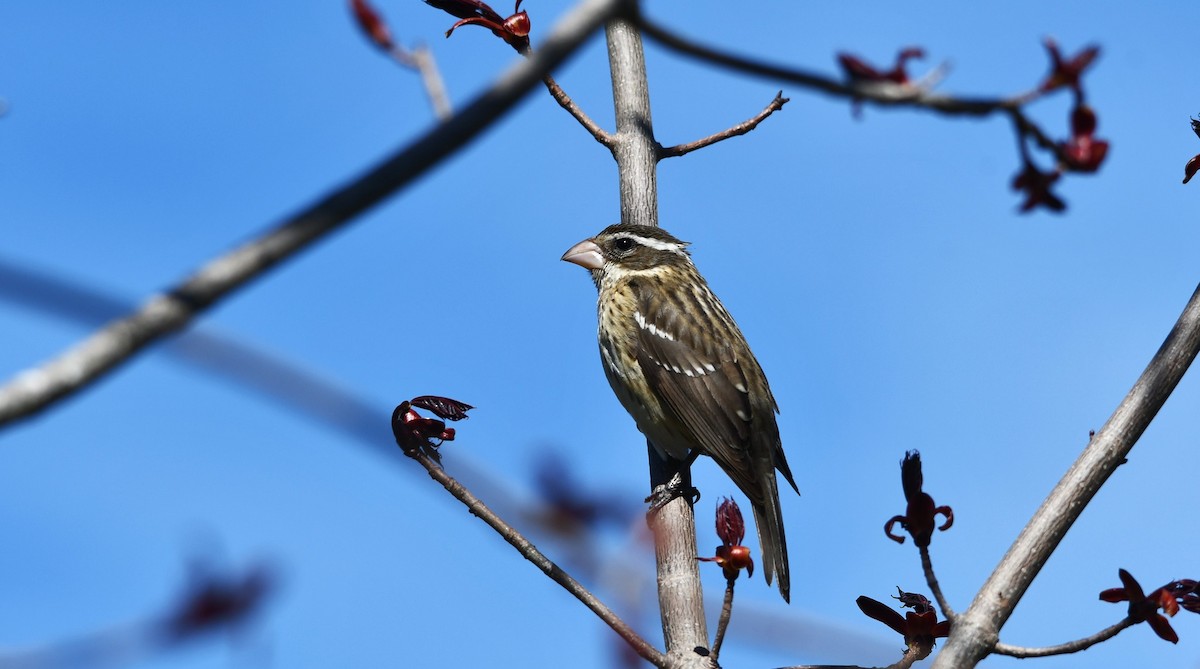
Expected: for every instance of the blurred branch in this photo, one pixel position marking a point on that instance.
(877, 93)
(212, 603)
(38, 388)
(539, 559)
(1082, 153)
(976, 630)
(320, 400)
(420, 59)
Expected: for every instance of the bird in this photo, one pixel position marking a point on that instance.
(681, 368)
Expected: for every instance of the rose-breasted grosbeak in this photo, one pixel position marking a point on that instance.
(681, 367)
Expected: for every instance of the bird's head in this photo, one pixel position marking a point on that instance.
(625, 248)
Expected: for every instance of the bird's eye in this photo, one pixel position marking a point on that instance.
(623, 244)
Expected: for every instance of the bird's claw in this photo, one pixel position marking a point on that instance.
(664, 493)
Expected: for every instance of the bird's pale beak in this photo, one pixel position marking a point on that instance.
(586, 254)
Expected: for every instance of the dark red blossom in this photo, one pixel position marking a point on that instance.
(1191, 168)
(568, 508)
(416, 433)
(1184, 593)
(217, 601)
(514, 30)
(1083, 152)
(372, 25)
(921, 513)
(1067, 72)
(919, 627)
(858, 69)
(1036, 186)
(731, 556)
(1193, 165)
(444, 407)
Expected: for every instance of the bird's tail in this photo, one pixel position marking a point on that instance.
(768, 518)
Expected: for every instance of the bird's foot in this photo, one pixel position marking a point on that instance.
(664, 493)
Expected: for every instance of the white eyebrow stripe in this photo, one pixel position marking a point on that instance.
(657, 244)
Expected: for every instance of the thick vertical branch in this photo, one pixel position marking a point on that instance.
(977, 629)
(636, 152)
(634, 148)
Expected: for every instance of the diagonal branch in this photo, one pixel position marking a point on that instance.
(739, 129)
(976, 630)
(420, 60)
(1065, 648)
(560, 96)
(539, 559)
(38, 388)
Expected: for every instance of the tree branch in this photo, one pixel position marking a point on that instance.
(879, 93)
(723, 621)
(934, 586)
(739, 129)
(634, 147)
(911, 655)
(421, 60)
(36, 389)
(539, 559)
(976, 631)
(560, 96)
(1065, 648)
(680, 597)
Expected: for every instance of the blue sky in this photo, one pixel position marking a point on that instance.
(878, 266)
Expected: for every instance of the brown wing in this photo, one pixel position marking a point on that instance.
(700, 383)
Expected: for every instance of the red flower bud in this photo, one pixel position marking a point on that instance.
(444, 407)
(1067, 72)
(921, 512)
(1084, 153)
(514, 30)
(731, 556)
(372, 25)
(416, 434)
(731, 527)
(1191, 168)
(859, 70)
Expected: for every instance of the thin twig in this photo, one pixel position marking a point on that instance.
(739, 129)
(1065, 648)
(565, 101)
(723, 622)
(78, 367)
(539, 559)
(421, 59)
(910, 657)
(976, 630)
(934, 586)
